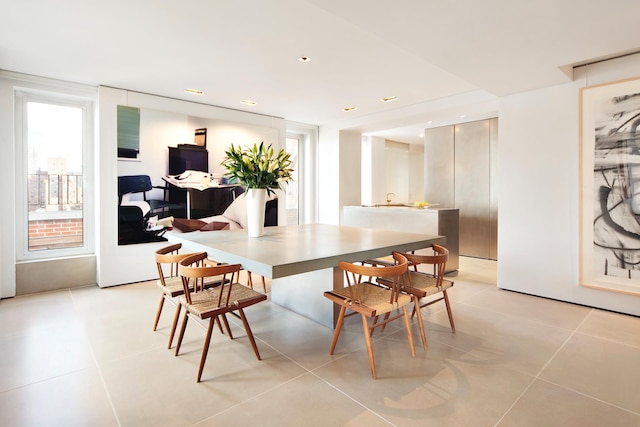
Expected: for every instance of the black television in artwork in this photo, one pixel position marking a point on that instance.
(191, 157)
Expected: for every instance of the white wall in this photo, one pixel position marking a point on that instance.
(403, 166)
(350, 169)
(339, 172)
(373, 161)
(131, 263)
(538, 161)
(328, 176)
(416, 173)
(397, 172)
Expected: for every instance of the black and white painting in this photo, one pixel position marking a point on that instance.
(610, 164)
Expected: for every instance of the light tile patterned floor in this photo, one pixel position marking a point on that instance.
(88, 357)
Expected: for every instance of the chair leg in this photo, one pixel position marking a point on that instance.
(247, 328)
(226, 324)
(176, 316)
(264, 284)
(249, 279)
(367, 339)
(158, 312)
(336, 333)
(416, 309)
(407, 326)
(375, 320)
(205, 349)
(217, 321)
(182, 329)
(446, 301)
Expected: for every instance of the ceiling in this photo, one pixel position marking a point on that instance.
(441, 59)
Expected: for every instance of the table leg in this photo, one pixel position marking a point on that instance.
(189, 203)
(304, 294)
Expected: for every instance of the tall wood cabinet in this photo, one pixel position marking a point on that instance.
(209, 202)
(460, 172)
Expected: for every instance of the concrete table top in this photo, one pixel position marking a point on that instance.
(289, 250)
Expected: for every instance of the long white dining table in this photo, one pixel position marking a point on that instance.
(302, 260)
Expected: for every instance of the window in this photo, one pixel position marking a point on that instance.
(54, 146)
(292, 187)
(302, 194)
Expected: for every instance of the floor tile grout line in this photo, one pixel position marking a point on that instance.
(43, 380)
(339, 390)
(515, 316)
(564, 343)
(307, 371)
(98, 368)
(252, 397)
(537, 376)
(589, 396)
(575, 331)
(515, 402)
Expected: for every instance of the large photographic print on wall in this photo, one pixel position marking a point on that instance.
(610, 186)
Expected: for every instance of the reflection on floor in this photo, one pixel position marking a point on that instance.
(88, 356)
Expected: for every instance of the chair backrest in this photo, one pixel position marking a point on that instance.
(438, 260)
(134, 184)
(167, 260)
(356, 274)
(195, 268)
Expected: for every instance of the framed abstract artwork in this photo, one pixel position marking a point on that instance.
(128, 133)
(610, 186)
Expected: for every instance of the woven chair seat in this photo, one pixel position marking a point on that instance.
(205, 304)
(427, 283)
(173, 285)
(374, 297)
(422, 284)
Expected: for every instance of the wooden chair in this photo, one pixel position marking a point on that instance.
(363, 296)
(214, 303)
(250, 281)
(422, 284)
(167, 260)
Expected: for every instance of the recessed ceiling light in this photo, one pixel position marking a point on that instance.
(347, 109)
(462, 116)
(194, 91)
(248, 102)
(389, 98)
(429, 122)
(304, 59)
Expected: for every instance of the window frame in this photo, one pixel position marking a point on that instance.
(87, 105)
(307, 136)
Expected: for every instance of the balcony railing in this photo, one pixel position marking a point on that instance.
(55, 211)
(55, 192)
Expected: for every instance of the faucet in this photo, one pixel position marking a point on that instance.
(389, 197)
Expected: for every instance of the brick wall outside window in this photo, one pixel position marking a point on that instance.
(55, 233)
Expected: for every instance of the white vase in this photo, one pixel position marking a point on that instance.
(255, 211)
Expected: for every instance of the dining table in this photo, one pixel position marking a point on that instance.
(302, 260)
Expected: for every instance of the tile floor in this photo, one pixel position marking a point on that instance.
(88, 357)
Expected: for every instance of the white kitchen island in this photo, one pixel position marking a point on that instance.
(407, 219)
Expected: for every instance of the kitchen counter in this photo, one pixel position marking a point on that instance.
(396, 217)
